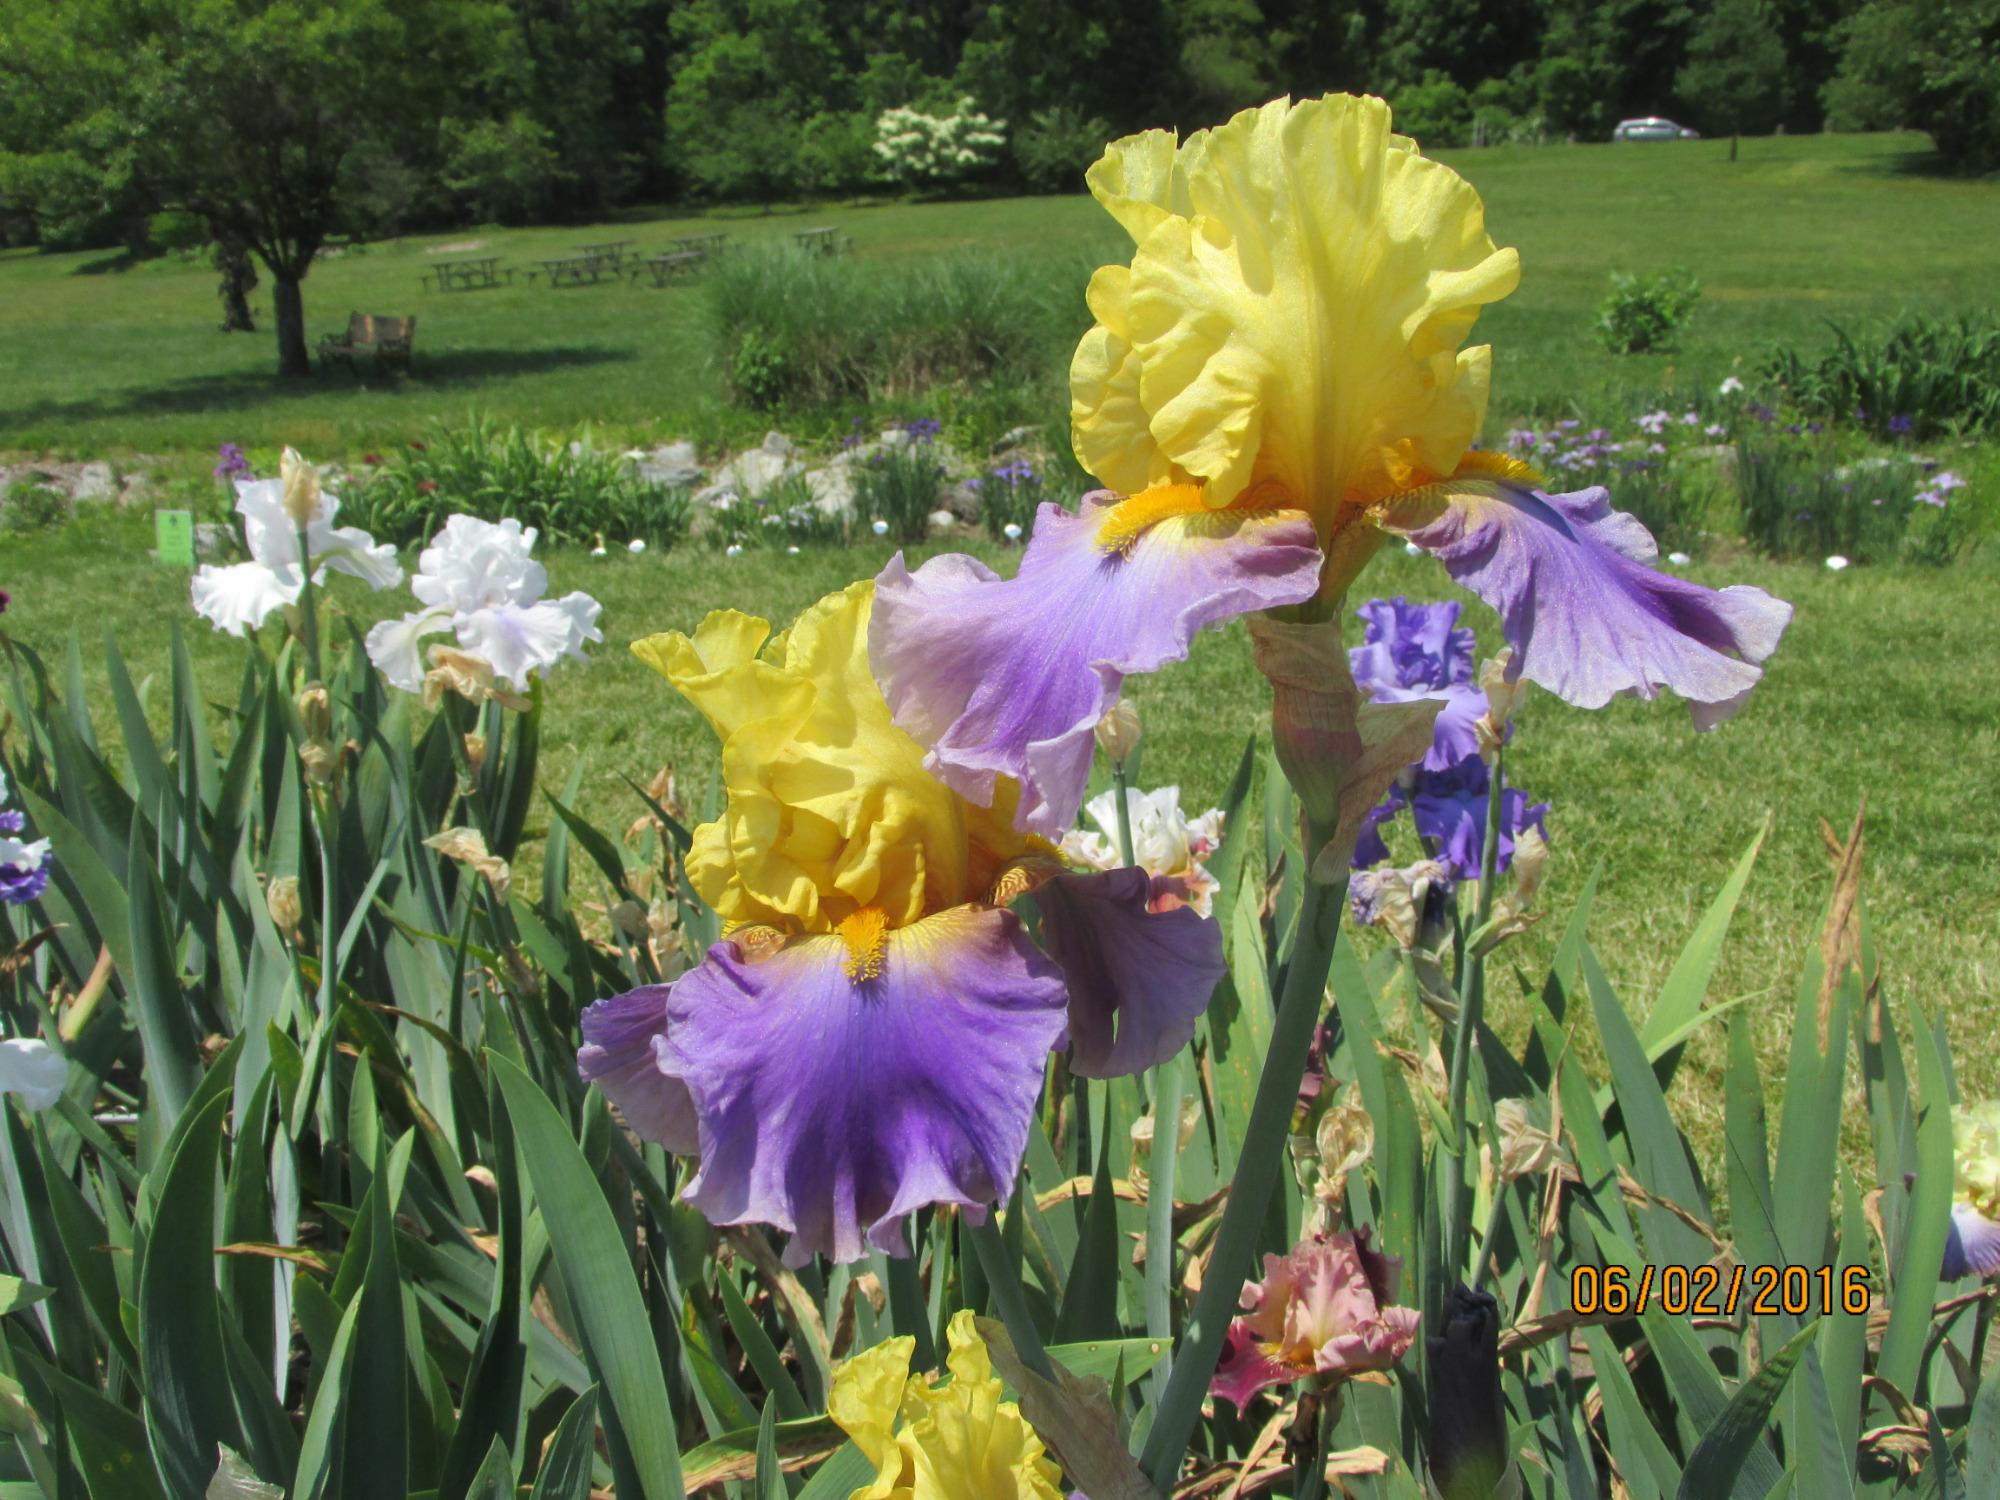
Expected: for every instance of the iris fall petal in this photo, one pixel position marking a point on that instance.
(832, 1106)
(1138, 978)
(1588, 615)
(1007, 677)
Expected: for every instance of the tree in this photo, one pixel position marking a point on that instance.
(244, 112)
(1735, 76)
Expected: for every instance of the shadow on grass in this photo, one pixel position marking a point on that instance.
(445, 370)
(1918, 161)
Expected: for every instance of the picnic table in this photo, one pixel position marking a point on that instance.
(612, 251)
(464, 275)
(664, 268)
(822, 239)
(702, 244)
(578, 270)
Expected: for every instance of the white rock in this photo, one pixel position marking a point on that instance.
(1836, 562)
(1012, 438)
(880, 528)
(1679, 559)
(832, 488)
(636, 546)
(941, 520)
(734, 549)
(1011, 531)
(94, 481)
(672, 465)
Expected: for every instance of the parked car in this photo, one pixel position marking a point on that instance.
(1653, 128)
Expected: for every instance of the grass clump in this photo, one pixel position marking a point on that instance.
(570, 491)
(1918, 377)
(795, 328)
(1645, 314)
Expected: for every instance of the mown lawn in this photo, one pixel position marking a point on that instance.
(1884, 688)
(102, 357)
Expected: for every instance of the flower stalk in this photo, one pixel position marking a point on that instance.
(1471, 1007)
(1258, 1167)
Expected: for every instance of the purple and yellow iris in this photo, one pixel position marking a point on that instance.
(870, 1036)
(1276, 384)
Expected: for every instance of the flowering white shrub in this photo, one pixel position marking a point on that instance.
(919, 148)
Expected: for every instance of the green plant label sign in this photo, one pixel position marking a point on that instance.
(173, 532)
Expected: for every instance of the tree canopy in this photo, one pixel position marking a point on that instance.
(279, 124)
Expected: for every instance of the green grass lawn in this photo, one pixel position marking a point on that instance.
(1883, 687)
(102, 357)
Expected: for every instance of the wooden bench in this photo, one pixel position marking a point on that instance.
(664, 268)
(388, 339)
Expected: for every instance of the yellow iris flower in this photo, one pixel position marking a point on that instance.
(958, 1441)
(1976, 1133)
(1288, 330)
(831, 817)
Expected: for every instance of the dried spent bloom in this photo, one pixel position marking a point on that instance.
(955, 1441)
(1526, 1150)
(1394, 899)
(1323, 1311)
(869, 955)
(281, 900)
(469, 676)
(468, 847)
(1274, 386)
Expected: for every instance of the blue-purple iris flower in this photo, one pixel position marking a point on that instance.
(230, 462)
(24, 864)
(1410, 651)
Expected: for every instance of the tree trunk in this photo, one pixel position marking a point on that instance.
(1732, 146)
(239, 279)
(289, 309)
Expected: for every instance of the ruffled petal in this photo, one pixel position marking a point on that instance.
(396, 646)
(241, 596)
(1301, 285)
(1138, 978)
(866, 1397)
(521, 641)
(472, 563)
(1008, 677)
(1245, 1369)
(621, 1054)
(350, 550)
(1588, 615)
(833, 1106)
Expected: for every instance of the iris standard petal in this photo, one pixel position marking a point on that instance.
(1301, 283)
(1007, 677)
(621, 1054)
(832, 1102)
(1138, 978)
(34, 1070)
(1588, 615)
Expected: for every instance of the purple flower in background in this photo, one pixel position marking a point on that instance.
(1016, 473)
(231, 462)
(1653, 421)
(1901, 424)
(5, 600)
(923, 429)
(24, 864)
(1520, 439)
(1763, 413)
(1449, 809)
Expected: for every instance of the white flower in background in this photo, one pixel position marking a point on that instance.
(1836, 563)
(791, 552)
(734, 549)
(1166, 843)
(34, 1070)
(636, 546)
(919, 147)
(241, 596)
(1731, 386)
(477, 580)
